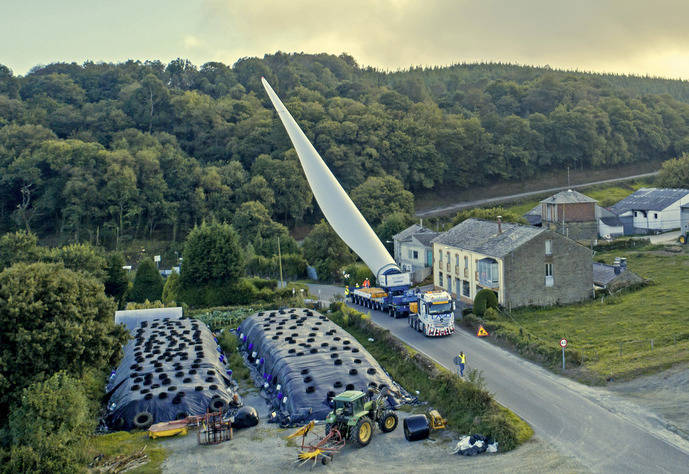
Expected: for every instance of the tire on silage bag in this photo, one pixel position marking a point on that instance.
(143, 420)
(416, 427)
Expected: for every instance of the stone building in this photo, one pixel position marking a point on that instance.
(523, 265)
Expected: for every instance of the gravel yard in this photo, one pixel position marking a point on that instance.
(264, 449)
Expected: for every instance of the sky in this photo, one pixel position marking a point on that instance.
(645, 37)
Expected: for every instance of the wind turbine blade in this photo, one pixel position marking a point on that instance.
(339, 210)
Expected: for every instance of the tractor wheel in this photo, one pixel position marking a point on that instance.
(362, 432)
(388, 422)
(682, 239)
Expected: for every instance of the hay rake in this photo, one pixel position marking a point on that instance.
(321, 448)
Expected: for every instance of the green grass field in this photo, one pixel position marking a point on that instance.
(614, 335)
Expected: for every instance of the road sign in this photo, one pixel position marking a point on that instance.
(563, 342)
(482, 331)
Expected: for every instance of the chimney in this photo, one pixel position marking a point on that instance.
(617, 268)
(499, 224)
(623, 263)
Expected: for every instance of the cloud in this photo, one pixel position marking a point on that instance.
(191, 42)
(614, 35)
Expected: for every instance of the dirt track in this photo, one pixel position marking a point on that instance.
(264, 449)
(665, 394)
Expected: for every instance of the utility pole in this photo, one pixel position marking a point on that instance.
(568, 185)
(280, 261)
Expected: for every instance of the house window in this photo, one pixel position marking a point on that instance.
(456, 260)
(458, 286)
(448, 257)
(549, 281)
(465, 289)
(440, 257)
(548, 247)
(416, 255)
(655, 215)
(466, 262)
(440, 278)
(409, 253)
(449, 283)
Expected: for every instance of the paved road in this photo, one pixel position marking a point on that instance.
(605, 433)
(480, 202)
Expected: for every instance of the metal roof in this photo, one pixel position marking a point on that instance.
(568, 197)
(649, 199)
(482, 237)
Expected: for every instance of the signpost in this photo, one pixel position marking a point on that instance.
(563, 344)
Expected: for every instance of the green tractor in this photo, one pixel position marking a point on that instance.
(354, 416)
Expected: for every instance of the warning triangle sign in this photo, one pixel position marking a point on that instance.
(482, 331)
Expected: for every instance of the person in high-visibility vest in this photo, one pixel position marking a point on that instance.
(462, 361)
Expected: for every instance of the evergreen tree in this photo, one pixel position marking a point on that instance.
(212, 254)
(148, 284)
(116, 281)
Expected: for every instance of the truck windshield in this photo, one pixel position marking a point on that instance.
(440, 308)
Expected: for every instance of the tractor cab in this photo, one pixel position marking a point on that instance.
(348, 404)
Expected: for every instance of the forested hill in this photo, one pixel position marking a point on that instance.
(106, 151)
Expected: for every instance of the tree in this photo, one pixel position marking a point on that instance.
(254, 225)
(116, 280)
(148, 284)
(171, 288)
(48, 427)
(79, 258)
(392, 224)
(52, 319)
(379, 197)
(326, 251)
(20, 246)
(674, 173)
(212, 254)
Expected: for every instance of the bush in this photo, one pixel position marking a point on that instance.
(52, 319)
(358, 272)
(485, 299)
(148, 284)
(47, 430)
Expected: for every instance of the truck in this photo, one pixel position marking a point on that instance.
(430, 312)
(433, 314)
(393, 298)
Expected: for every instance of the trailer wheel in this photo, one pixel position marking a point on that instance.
(682, 239)
(416, 427)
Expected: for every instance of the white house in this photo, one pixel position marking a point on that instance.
(651, 210)
(414, 251)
